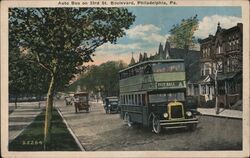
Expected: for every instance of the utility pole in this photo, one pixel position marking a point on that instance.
(217, 108)
(216, 93)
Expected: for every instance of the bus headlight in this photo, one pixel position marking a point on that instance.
(188, 113)
(109, 105)
(165, 115)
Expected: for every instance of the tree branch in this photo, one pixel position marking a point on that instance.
(41, 64)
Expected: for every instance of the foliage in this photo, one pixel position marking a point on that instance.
(60, 40)
(181, 35)
(103, 78)
(24, 78)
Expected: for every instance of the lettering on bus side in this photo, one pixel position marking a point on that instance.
(170, 84)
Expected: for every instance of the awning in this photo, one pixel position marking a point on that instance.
(227, 76)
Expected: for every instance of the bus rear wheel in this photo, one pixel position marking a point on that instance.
(156, 125)
(128, 119)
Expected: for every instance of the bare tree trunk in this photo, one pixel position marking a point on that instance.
(48, 114)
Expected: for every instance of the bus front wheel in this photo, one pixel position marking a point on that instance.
(156, 125)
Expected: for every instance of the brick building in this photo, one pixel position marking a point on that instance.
(222, 53)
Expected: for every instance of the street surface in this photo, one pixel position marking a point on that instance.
(98, 131)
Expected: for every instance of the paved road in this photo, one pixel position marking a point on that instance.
(98, 131)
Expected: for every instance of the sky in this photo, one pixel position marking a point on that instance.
(152, 26)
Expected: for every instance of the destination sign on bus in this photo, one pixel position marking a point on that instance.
(170, 84)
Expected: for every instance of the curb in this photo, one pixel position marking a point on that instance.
(71, 132)
(221, 116)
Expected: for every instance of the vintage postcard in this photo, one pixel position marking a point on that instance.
(124, 78)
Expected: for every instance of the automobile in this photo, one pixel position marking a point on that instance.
(68, 101)
(192, 104)
(81, 101)
(111, 104)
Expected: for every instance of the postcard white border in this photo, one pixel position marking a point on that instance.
(38, 3)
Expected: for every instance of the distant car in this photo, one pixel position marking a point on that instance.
(68, 100)
(191, 103)
(81, 101)
(111, 105)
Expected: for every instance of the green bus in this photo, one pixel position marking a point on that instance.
(152, 93)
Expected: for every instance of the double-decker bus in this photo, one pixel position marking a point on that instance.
(152, 93)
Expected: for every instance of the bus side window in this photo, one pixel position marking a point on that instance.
(133, 101)
(143, 100)
(129, 99)
(120, 99)
(125, 99)
(148, 70)
(139, 99)
(136, 99)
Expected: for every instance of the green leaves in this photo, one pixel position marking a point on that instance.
(66, 35)
(181, 35)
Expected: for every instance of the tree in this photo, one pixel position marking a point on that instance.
(181, 35)
(24, 78)
(103, 78)
(60, 40)
(109, 77)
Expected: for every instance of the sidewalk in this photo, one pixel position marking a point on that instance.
(228, 113)
(21, 117)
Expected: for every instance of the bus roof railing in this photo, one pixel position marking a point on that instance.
(153, 61)
(112, 97)
(81, 93)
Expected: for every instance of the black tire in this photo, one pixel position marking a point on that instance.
(156, 125)
(128, 120)
(87, 110)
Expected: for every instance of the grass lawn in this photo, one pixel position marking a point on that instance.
(31, 139)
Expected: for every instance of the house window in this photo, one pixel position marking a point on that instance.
(204, 89)
(196, 90)
(232, 87)
(214, 67)
(219, 66)
(202, 69)
(204, 52)
(219, 49)
(228, 65)
(207, 68)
